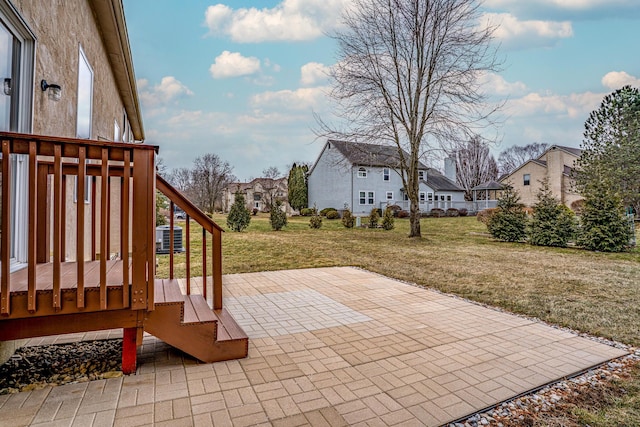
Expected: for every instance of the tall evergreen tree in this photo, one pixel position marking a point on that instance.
(239, 216)
(611, 147)
(298, 193)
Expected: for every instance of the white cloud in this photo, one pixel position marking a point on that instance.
(495, 84)
(514, 33)
(233, 64)
(313, 73)
(292, 20)
(574, 105)
(169, 90)
(617, 79)
(300, 99)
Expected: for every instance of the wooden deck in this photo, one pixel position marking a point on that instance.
(69, 276)
(54, 296)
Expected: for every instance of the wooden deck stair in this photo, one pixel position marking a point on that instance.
(189, 324)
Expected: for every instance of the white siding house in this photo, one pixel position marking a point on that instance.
(362, 176)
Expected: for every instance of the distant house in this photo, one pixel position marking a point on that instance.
(556, 164)
(363, 176)
(259, 194)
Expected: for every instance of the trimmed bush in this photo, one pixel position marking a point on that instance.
(333, 214)
(453, 212)
(374, 217)
(403, 214)
(463, 212)
(348, 220)
(239, 216)
(277, 217)
(324, 211)
(387, 219)
(254, 211)
(437, 213)
(306, 211)
(316, 220)
(395, 209)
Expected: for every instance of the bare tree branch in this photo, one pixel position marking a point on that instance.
(408, 76)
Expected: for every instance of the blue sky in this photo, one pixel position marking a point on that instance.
(242, 79)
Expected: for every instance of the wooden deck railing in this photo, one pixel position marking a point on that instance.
(208, 226)
(56, 166)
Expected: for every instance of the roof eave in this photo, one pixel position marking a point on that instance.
(109, 15)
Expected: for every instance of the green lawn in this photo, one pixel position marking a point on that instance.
(597, 293)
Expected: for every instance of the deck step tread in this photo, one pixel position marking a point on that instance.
(167, 291)
(201, 308)
(228, 329)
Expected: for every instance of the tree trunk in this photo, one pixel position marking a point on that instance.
(414, 221)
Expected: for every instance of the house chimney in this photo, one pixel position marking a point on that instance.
(450, 168)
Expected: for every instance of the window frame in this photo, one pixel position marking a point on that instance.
(386, 174)
(362, 172)
(82, 58)
(389, 195)
(421, 175)
(422, 197)
(366, 197)
(22, 93)
(526, 179)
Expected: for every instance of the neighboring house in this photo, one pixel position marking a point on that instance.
(556, 164)
(258, 194)
(366, 176)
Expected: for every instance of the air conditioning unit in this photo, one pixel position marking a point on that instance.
(163, 239)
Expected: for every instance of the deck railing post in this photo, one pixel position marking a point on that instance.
(216, 274)
(80, 192)
(33, 226)
(140, 250)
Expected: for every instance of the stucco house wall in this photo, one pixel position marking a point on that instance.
(62, 30)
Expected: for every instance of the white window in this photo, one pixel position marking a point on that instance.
(448, 197)
(442, 197)
(389, 195)
(526, 178)
(421, 175)
(117, 136)
(17, 47)
(386, 174)
(366, 197)
(85, 96)
(430, 197)
(362, 173)
(423, 197)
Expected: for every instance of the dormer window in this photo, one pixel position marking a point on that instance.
(421, 175)
(362, 173)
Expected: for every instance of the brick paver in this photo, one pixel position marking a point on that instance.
(328, 347)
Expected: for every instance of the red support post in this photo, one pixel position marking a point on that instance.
(129, 351)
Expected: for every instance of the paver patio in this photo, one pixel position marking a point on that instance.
(328, 346)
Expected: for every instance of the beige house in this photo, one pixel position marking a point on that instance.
(258, 194)
(555, 164)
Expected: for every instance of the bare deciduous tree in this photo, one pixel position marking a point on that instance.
(209, 176)
(408, 75)
(513, 157)
(475, 165)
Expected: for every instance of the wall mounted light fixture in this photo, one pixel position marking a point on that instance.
(55, 91)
